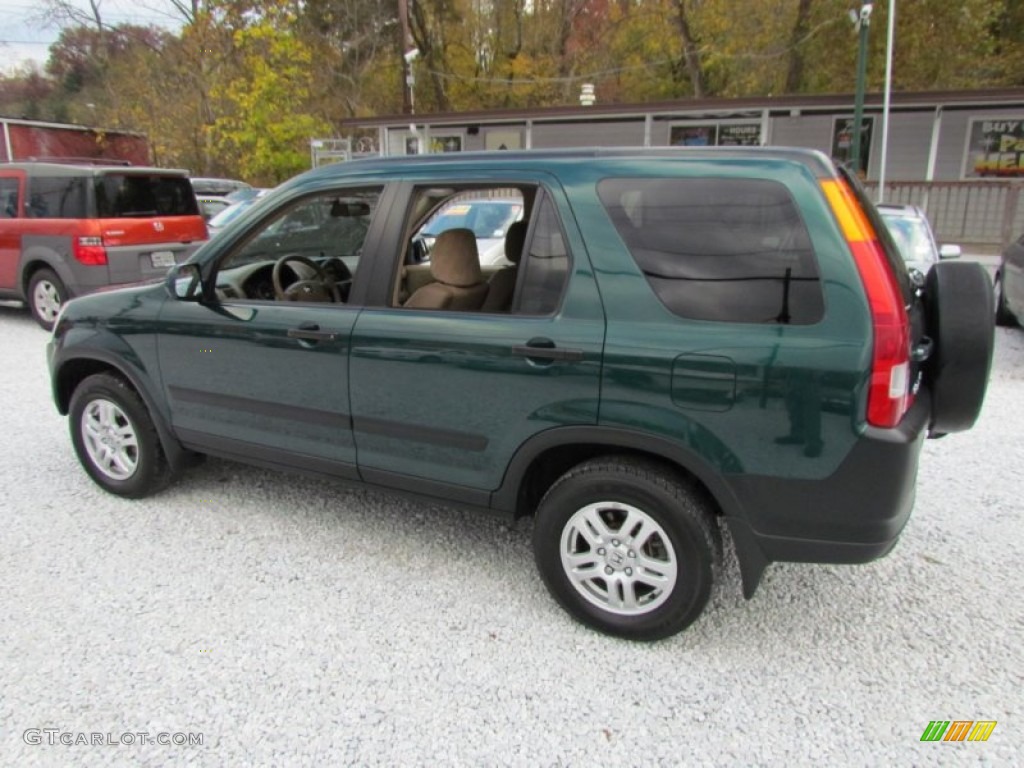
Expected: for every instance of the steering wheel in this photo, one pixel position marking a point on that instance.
(320, 288)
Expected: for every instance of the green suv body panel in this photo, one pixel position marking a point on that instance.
(489, 408)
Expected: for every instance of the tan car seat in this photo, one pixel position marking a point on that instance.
(502, 284)
(455, 268)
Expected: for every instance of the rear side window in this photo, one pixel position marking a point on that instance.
(8, 197)
(138, 196)
(731, 250)
(57, 197)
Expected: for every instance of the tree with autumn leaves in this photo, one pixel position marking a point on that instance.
(242, 85)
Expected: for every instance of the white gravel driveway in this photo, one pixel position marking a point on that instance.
(297, 622)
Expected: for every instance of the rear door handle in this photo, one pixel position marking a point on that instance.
(311, 332)
(545, 349)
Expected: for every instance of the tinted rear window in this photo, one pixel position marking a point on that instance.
(57, 197)
(139, 196)
(732, 250)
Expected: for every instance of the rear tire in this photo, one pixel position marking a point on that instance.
(627, 547)
(959, 311)
(46, 295)
(115, 439)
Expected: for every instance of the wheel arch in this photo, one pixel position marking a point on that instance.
(546, 456)
(37, 258)
(73, 371)
(551, 453)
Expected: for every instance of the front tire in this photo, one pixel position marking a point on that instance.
(627, 547)
(46, 295)
(115, 439)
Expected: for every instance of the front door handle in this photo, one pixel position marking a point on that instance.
(311, 332)
(545, 349)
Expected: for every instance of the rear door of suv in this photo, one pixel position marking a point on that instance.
(731, 325)
(450, 395)
(148, 220)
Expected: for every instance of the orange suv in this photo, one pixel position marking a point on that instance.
(67, 230)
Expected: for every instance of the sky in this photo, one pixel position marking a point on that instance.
(24, 38)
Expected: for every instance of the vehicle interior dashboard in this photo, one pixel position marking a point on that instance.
(254, 281)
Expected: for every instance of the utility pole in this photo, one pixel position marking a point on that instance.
(409, 53)
(887, 98)
(861, 22)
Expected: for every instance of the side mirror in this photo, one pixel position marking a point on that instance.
(185, 282)
(949, 251)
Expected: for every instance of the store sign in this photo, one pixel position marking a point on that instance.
(995, 149)
(740, 135)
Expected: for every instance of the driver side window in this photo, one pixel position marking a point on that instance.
(306, 251)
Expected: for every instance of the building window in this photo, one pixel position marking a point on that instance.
(445, 144)
(842, 142)
(721, 134)
(436, 144)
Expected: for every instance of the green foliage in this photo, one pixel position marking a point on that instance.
(268, 123)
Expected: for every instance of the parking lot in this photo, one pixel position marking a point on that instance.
(293, 621)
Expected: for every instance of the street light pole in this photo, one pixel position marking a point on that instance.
(862, 22)
(408, 81)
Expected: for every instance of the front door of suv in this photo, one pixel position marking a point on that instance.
(449, 396)
(261, 376)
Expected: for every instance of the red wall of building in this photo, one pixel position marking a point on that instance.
(44, 142)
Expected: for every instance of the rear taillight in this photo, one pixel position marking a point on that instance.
(90, 251)
(889, 389)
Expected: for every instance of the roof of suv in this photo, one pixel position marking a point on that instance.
(817, 161)
(205, 185)
(75, 169)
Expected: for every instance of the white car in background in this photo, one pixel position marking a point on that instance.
(909, 227)
(234, 210)
(489, 218)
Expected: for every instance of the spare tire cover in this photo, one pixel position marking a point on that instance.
(959, 311)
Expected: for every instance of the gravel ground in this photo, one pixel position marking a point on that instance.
(297, 622)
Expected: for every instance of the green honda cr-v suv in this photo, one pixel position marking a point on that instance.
(676, 340)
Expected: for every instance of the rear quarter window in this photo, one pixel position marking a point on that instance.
(139, 196)
(57, 197)
(8, 197)
(729, 250)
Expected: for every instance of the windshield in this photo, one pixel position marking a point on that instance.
(487, 218)
(230, 213)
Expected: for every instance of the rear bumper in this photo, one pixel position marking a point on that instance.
(853, 516)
